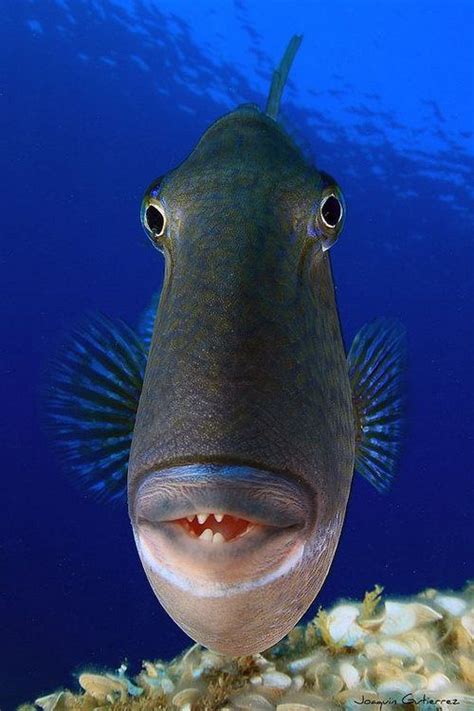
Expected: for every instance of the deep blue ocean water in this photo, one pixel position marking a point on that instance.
(100, 97)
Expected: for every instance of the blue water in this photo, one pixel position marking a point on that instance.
(97, 99)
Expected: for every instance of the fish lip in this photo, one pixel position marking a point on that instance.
(171, 556)
(252, 493)
(282, 507)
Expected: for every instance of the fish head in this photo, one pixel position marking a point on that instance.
(243, 448)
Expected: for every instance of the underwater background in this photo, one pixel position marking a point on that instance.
(97, 99)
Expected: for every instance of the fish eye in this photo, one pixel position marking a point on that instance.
(155, 220)
(328, 217)
(153, 215)
(331, 211)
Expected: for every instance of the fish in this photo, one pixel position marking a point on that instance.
(232, 417)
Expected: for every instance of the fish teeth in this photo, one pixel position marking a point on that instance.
(201, 517)
(218, 517)
(206, 535)
(190, 519)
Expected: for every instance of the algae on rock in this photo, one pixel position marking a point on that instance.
(411, 653)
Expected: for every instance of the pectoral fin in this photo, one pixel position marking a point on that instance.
(376, 362)
(92, 400)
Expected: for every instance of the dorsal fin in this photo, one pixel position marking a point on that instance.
(280, 75)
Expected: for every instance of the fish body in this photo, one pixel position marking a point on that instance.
(246, 402)
(250, 417)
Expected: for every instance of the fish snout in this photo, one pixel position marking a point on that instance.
(217, 543)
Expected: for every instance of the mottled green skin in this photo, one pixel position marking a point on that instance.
(247, 363)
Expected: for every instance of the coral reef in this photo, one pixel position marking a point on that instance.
(415, 653)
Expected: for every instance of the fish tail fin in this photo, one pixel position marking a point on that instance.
(91, 403)
(377, 364)
(280, 76)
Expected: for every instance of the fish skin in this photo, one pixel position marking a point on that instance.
(248, 309)
(247, 364)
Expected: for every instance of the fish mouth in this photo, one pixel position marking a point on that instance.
(214, 529)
